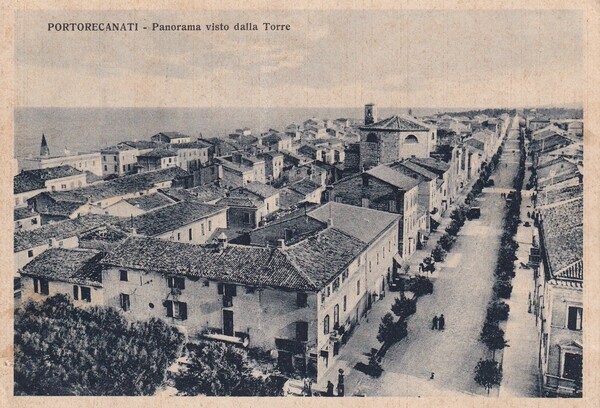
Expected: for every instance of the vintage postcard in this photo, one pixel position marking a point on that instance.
(362, 200)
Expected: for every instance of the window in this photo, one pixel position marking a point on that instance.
(336, 316)
(176, 282)
(104, 157)
(86, 294)
(206, 283)
(377, 258)
(124, 168)
(202, 229)
(575, 318)
(75, 292)
(364, 202)
(302, 331)
(250, 289)
(573, 366)
(247, 218)
(209, 225)
(358, 287)
(220, 288)
(336, 284)
(190, 234)
(30, 253)
(63, 186)
(176, 310)
(53, 188)
(34, 221)
(116, 169)
(41, 286)
(301, 299)
(125, 303)
(326, 325)
(105, 167)
(344, 304)
(411, 139)
(392, 206)
(179, 236)
(124, 275)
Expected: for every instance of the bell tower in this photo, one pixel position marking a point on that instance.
(370, 113)
(44, 149)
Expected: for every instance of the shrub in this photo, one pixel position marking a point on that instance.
(488, 374)
(447, 241)
(404, 307)
(218, 369)
(391, 331)
(503, 289)
(421, 285)
(438, 253)
(497, 310)
(453, 228)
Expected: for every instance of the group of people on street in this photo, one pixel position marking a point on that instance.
(438, 323)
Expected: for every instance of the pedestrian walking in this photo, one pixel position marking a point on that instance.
(340, 386)
(441, 322)
(421, 267)
(434, 323)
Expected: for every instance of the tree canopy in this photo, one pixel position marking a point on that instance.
(64, 350)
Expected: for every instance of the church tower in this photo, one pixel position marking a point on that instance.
(370, 114)
(44, 150)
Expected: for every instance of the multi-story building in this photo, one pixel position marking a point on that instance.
(385, 189)
(30, 183)
(171, 138)
(157, 159)
(120, 159)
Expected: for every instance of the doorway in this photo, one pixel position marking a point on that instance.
(228, 322)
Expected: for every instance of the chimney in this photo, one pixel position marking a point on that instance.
(329, 222)
(221, 242)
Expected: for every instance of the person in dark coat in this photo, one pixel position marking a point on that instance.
(329, 389)
(441, 322)
(434, 323)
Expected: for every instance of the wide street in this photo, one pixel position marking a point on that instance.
(462, 290)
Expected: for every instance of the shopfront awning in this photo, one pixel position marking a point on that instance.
(398, 259)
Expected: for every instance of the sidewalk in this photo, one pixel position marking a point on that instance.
(521, 374)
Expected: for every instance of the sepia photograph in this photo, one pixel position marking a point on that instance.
(298, 203)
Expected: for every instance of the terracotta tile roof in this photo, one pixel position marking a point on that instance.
(30, 180)
(549, 143)
(437, 166)
(415, 168)
(22, 213)
(60, 230)
(289, 198)
(246, 202)
(361, 223)
(141, 144)
(60, 208)
(304, 187)
(293, 230)
(120, 186)
(260, 189)
(171, 217)
(393, 177)
(150, 201)
(117, 149)
(478, 144)
(159, 152)
(67, 265)
(325, 255)
(397, 123)
(243, 265)
(203, 194)
(552, 196)
(562, 234)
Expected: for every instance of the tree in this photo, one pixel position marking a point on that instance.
(438, 253)
(447, 240)
(421, 285)
(64, 350)
(404, 307)
(488, 374)
(493, 337)
(391, 331)
(503, 289)
(497, 310)
(218, 369)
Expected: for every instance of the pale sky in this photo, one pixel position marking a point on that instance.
(396, 58)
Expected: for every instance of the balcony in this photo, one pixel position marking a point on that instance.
(240, 338)
(292, 346)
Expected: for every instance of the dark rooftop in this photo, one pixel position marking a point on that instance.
(150, 201)
(159, 152)
(22, 213)
(67, 265)
(30, 180)
(60, 230)
(251, 266)
(171, 217)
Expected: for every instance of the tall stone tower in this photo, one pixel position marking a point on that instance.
(44, 149)
(370, 113)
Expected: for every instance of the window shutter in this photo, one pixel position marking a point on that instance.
(75, 292)
(182, 283)
(36, 285)
(233, 290)
(169, 281)
(572, 323)
(220, 288)
(169, 305)
(183, 310)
